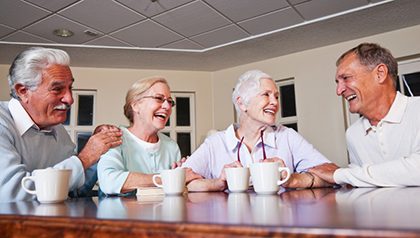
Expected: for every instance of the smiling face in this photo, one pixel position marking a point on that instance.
(356, 84)
(49, 103)
(263, 108)
(150, 114)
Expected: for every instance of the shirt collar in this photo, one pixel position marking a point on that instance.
(397, 110)
(232, 142)
(395, 114)
(22, 119)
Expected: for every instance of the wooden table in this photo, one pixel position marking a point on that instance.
(360, 212)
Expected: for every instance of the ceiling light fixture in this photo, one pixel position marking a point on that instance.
(90, 33)
(63, 33)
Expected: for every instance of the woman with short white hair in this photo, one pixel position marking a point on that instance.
(256, 101)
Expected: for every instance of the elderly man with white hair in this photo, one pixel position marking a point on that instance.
(31, 134)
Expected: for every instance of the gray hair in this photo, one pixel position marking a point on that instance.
(371, 55)
(247, 87)
(28, 66)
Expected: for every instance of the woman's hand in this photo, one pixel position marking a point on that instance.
(274, 159)
(222, 181)
(179, 163)
(191, 175)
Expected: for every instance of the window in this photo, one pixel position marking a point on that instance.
(409, 78)
(81, 118)
(181, 124)
(287, 115)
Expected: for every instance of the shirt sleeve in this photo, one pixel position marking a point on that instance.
(199, 160)
(404, 171)
(13, 170)
(111, 171)
(401, 171)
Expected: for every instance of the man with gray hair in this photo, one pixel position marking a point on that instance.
(384, 144)
(31, 134)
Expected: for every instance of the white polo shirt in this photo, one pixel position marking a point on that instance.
(388, 154)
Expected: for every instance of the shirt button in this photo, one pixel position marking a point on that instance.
(382, 144)
(384, 152)
(153, 170)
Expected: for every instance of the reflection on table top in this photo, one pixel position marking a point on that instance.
(359, 211)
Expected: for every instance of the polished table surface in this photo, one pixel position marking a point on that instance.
(342, 212)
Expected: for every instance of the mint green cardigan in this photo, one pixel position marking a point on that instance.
(115, 165)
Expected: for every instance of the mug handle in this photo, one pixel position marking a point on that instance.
(154, 180)
(25, 188)
(280, 182)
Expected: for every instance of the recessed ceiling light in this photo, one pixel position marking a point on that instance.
(63, 33)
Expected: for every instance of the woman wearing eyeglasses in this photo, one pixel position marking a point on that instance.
(256, 102)
(144, 151)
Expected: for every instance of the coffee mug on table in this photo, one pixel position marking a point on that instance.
(237, 179)
(173, 181)
(51, 185)
(266, 177)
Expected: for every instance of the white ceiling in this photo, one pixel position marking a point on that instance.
(204, 35)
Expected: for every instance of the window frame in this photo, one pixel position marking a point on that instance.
(285, 120)
(407, 67)
(173, 129)
(73, 128)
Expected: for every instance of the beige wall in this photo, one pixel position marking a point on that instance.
(319, 110)
(112, 86)
(4, 86)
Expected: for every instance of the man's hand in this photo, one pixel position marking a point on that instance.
(104, 138)
(104, 127)
(325, 171)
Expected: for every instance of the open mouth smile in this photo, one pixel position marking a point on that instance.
(160, 115)
(270, 111)
(351, 97)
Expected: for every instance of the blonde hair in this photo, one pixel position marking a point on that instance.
(136, 92)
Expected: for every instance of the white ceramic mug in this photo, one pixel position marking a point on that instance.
(237, 179)
(51, 185)
(173, 181)
(266, 177)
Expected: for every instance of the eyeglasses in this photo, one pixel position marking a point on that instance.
(262, 141)
(162, 100)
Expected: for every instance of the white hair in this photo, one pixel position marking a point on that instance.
(247, 87)
(28, 66)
